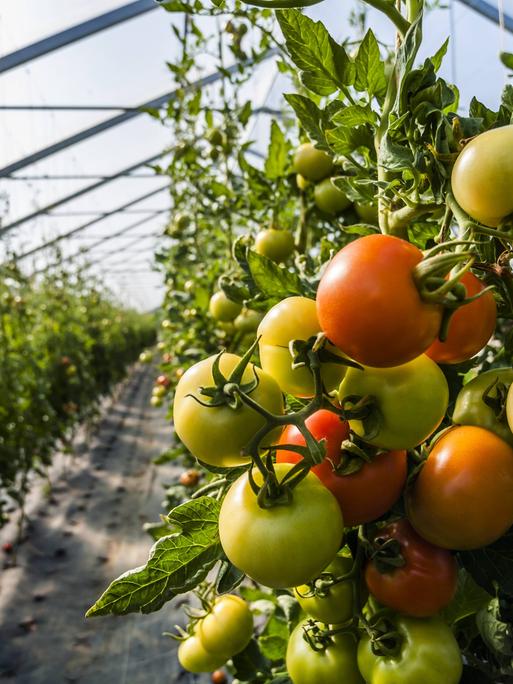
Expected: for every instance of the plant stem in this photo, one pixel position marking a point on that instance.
(392, 13)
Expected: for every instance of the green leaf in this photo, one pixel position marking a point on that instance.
(470, 598)
(325, 64)
(437, 59)
(507, 59)
(492, 564)
(370, 69)
(497, 634)
(176, 564)
(354, 115)
(273, 281)
(277, 154)
(344, 140)
(250, 662)
(480, 111)
(310, 117)
(273, 646)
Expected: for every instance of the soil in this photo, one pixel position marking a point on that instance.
(81, 534)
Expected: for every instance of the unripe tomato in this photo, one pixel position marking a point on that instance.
(194, 657)
(336, 664)
(293, 318)
(71, 370)
(470, 327)
(159, 391)
(145, 357)
(462, 496)
(223, 309)
(367, 212)
(329, 198)
(275, 244)
(218, 434)
(215, 137)
(285, 545)
(482, 176)
(181, 221)
(332, 604)
(228, 627)
(368, 304)
(156, 401)
(161, 346)
(471, 408)
(248, 321)
(311, 163)
(411, 401)
(362, 496)
(424, 585)
(302, 182)
(166, 324)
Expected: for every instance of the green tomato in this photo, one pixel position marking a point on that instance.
(471, 409)
(166, 324)
(294, 318)
(156, 401)
(275, 244)
(367, 212)
(193, 656)
(411, 400)
(248, 321)
(336, 664)
(330, 603)
(145, 357)
(483, 175)
(223, 309)
(285, 545)
(311, 163)
(218, 434)
(181, 221)
(161, 346)
(215, 137)
(302, 182)
(228, 627)
(159, 391)
(428, 654)
(329, 198)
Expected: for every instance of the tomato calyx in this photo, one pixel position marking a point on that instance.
(354, 454)
(384, 638)
(319, 638)
(299, 351)
(364, 409)
(386, 554)
(498, 402)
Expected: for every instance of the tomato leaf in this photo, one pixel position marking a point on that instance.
(370, 69)
(274, 282)
(469, 599)
(276, 163)
(492, 564)
(310, 117)
(177, 563)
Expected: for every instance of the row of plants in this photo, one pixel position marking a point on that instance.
(336, 354)
(64, 343)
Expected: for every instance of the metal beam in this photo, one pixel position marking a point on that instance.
(115, 121)
(83, 176)
(66, 108)
(490, 12)
(74, 33)
(63, 236)
(78, 193)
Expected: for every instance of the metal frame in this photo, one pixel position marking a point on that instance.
(490, 12)
(77, 32)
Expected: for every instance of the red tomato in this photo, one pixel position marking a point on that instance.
(369, 306)
(470, 327)
(362, 496)
(425, 584)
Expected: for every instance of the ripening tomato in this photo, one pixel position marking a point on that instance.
(228, 627)
(275, 244)
(461, 498)
(482, 176)
(311, 163)
(329, 198)
(218, 434)
(285, 545)
(369, 306)
(223, 309)
(470, 327)
(294, 318)
(421, 587)
(362, 496)
(194, 657)
(411, 401)
(334, 664)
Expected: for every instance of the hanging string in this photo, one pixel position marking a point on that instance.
(452, 23)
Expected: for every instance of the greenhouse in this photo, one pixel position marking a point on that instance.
(256, 342)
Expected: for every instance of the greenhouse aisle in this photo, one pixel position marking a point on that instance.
(87, 532)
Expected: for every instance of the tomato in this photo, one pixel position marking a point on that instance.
(223, 309)
(275, 244)
(302, 182)
(193, 656)
(369, 306)
(483, 175)
(362, 496)
(329, 198)
(367, 212)
(189, 478)
(334, 603)
(163, 380)
(285, 545)
(215, 137)
(159, 391)
(219, 677)
(156, 402)
(181, 221)
(471, 409)
(248, 321)
(462, 496)
(161, 346)
(312, 163)
(217, 435)
(166, 324)
(421, 587)
(411, 399)
(228, 627)
(470, 327)
(428, 654)
(509, 409)
(336, 664)
(293, 318)
(145, 357)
